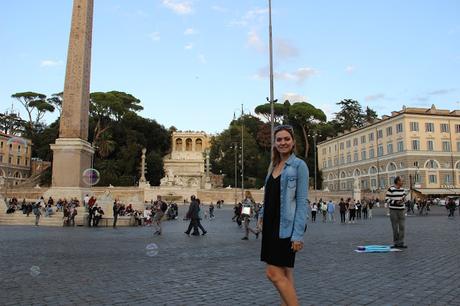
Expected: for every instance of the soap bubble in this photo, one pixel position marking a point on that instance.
(34, 271)
(18, 141)
(152, 249)
(91, 176)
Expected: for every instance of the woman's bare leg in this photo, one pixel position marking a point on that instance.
(283, 280)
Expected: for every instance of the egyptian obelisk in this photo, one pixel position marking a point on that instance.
(72, 153)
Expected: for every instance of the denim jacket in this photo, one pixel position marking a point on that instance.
(294, 194)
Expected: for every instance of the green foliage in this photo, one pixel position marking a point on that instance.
(35, 104)
(351, 115)
(264, 110)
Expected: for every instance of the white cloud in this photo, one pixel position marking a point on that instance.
(285, 49)
(440, 92)
(155, 36)
(50, 63)
(293, 97)
(299, 75)
(254, 41)
(179, 7)
(188, 46)
(250, 16)
(375, 97)
(202, 58)
(350, 69)
(190, 31)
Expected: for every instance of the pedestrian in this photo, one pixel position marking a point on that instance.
(358, 210)
(314, 210)
(451, 207)
(395, 199)
(211, 211)
(160, 209)
(323, 206)
(248, 210)
(193, 215)
(37, 212)
(369, 211)
(330, 210)
(351, 210)
(200, 217)
(284, 215)
(365, 208)
(343, 210)
(116, 211)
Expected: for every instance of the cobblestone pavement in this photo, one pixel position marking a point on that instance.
(55, 266)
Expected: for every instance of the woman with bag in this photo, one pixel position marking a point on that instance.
(246, 213)
(284, 214)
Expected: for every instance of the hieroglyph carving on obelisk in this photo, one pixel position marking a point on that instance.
(72, 154)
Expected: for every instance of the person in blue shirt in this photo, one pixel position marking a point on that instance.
(283, 217)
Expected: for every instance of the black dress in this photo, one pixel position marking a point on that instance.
(275, 251)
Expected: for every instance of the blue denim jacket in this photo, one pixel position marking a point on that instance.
(294, 194)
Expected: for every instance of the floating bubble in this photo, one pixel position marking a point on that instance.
(91, 176)
(152, 249)
(34, 271)
(17, 141)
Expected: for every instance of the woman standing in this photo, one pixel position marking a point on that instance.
(284, 214)
(314, 209)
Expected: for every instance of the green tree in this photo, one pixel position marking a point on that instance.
(264, 110)
(35, 104)
(56, 101)
(350, 114)
(305, 116)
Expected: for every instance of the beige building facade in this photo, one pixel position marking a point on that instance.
(420, 145)
(185, 165)
(15, 159)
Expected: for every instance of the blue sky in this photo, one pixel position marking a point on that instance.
(193, 63)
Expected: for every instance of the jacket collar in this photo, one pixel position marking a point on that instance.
(290, 159)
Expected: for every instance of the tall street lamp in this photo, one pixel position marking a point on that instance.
(235, 147)
(314, 136)
(272, 99)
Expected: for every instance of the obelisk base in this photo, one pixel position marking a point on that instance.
(71, 157)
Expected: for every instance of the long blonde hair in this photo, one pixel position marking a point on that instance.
(276, 156)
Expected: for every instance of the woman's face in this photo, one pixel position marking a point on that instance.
(284, 142)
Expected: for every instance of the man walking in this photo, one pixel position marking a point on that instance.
(330, 210)
(395, 200)
(193, 214)
(116, 210)
(161, 208)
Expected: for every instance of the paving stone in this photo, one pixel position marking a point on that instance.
(104, 266)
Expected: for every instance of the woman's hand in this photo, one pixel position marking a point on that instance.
(260, 224)
(297, 246)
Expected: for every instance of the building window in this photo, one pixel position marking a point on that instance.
(336, 161)
(432, 178)
(399, 128)
(355, 142)
(458, 146)
(432, 164)
(342, 159)
(373, 183)
(371, 153)
(348, 158)
(416, 164)
(446, 146)
(371, 136)
(417, 178)
(27, 161)
(382, 182)
(324, 164)
(429, 127)
(389, 131)
(329, 162)
(400, 146)
(330, 149)
(18, 160)
(341, 146)
(363, 155)
(355, 156)
(430, 145)
(448, 179)
(380, 150)
(1, 158)
(324, 151)
(444, 128)
(1, 145)
(348, 143)
(389, 148)
(392, 167)
(457, 128)
(379, 134)
(363, 139)
(19, 149)
(414, 126)
(373, 170)
(9, 160)
(416, 145)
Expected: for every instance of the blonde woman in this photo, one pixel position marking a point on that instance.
(247, 211)
(284, 214)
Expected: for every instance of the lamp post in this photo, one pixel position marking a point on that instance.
(272, 99)
(314, 136)
(235, 147)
